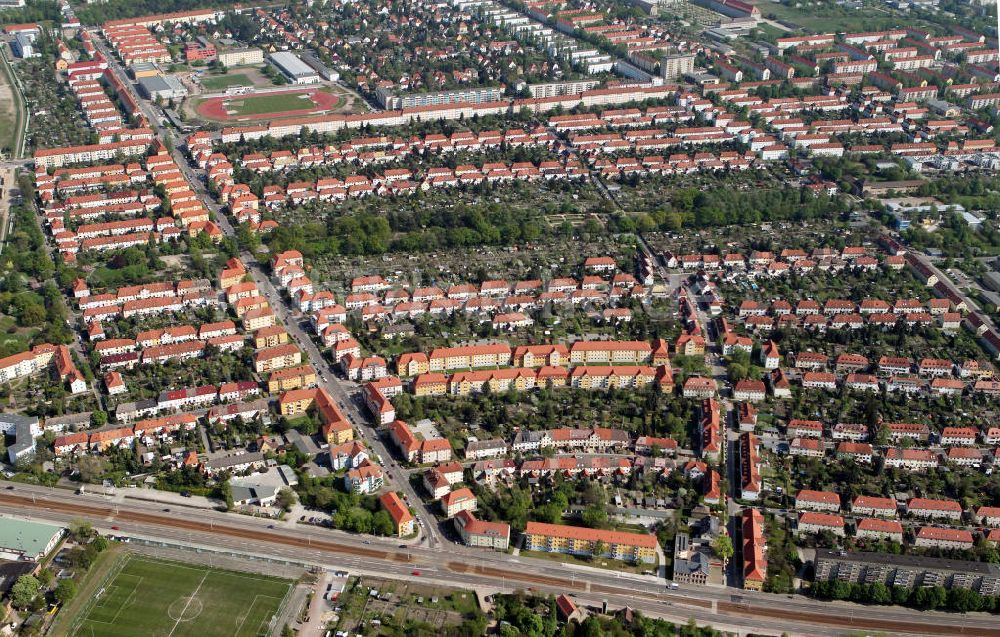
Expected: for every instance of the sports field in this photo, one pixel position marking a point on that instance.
(274, 103)
(155, 598)
(222, 82)
(255, 106)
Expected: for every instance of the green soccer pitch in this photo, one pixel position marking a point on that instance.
(155, 598)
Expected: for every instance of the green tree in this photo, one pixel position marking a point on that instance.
(600, 548)
(98, 418)
(880, 594)
(382, 523)
(723, 547)
(595, 516)
(24, 591)
(286, 499)
(65, 590)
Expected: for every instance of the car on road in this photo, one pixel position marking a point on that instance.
(167, 510)
(416, 573)
(115, 528)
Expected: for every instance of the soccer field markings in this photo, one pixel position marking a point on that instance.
(110, 590)
(114, 588)
(190, 597)
(243, 618)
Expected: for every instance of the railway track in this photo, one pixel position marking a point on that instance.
(856, 617)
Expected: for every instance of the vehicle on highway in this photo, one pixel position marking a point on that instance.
(115, 528)
(416, 573)
(674, 586)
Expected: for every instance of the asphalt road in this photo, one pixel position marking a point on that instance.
(346, 394)
(486, 571)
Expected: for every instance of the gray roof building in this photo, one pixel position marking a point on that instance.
(163, 86)
(297, 71)
(24, 429)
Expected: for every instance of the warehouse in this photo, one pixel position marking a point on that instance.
(297, 71)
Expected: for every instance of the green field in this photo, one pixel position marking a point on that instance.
(222, 82)
(265, 104)
(13, 116)
(827, 17)
(157, 598)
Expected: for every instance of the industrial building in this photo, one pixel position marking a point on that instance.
(293, 68)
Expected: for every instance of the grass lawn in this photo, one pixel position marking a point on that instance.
(12, 112)
(264, 104)
(11, 337)
(826, 17)
(222, 82)
(153, 597)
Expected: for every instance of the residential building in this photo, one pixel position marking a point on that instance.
(813, 522)
(458, 500)
(908, 571)
(399, 512)
(557, 538)
(475, 532)
(937, 537)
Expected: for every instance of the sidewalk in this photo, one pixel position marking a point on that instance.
(152, 495)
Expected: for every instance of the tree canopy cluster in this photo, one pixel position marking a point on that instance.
(957, 599)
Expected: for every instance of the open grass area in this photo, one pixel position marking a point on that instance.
(12, 113)
(276, 103)
(222, 82)
(828, 17)
(145, 596)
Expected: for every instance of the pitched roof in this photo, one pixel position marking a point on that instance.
(591, 535)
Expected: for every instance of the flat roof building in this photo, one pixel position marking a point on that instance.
(24, 429)
(27, 541)
(293, 68)
(163, 86)
(144, 69)
(907, 571)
